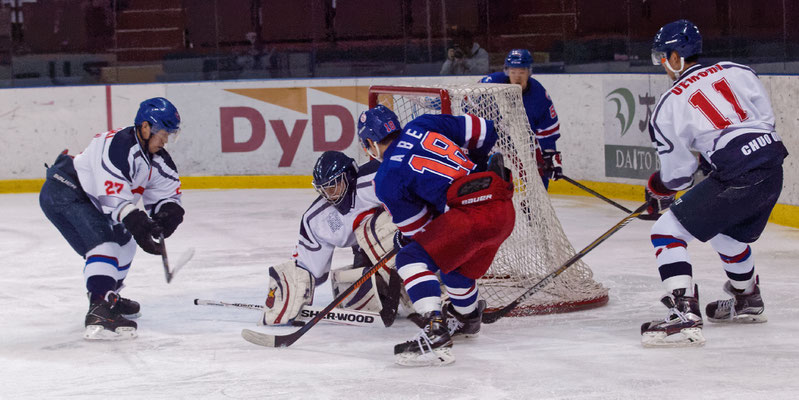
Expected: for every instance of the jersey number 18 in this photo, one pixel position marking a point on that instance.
(446, 150)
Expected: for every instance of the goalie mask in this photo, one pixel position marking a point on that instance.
(334, 178)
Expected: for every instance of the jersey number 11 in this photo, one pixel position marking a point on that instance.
(709, 110)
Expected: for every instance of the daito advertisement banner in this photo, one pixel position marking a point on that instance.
(628, 105)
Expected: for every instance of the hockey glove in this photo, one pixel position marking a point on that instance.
(401, 240)
(553, 168)
(143, 230)
(658, 195)
(169, 217)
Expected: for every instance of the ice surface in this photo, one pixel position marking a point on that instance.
(188, 351)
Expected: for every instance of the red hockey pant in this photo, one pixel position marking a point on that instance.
(466, 237)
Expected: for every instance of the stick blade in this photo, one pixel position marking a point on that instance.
(267, 340)
(183, 260)
(261, 339)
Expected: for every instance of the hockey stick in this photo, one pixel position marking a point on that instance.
(393, 289)
(648, 217)
(492, 316)
(343, 316)
(183, 260)
(264, 339)
(589, 190)
(203, 302)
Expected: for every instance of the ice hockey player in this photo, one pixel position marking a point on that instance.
(540, 112)
(451, 217)
(723, 112)
(346, 202)
(92, 200)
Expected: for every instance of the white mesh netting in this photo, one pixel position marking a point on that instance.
(538, 244)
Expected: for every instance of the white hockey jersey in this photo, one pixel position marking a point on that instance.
(116, 170)
(324, 228)
(705, 110)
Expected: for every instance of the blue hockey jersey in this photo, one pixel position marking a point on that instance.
(420, 165)
(539, 108)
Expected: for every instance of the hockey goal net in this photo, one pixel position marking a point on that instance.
(538, 244)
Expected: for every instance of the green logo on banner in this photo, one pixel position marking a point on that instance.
(624, 112)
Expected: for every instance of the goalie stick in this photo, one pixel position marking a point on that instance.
(183, 260)
(267, 340)
(648, 217)
(492, 316)
(342, 316)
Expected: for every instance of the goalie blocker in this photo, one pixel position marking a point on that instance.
(292, 287)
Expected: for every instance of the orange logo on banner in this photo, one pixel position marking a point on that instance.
(296, 99)
(287, 132)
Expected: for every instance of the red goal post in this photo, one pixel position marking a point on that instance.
(538, 244)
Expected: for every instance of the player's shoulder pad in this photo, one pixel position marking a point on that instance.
(428, 122)
(535, 85)
(730, 64)
(119, 150)
(368, 168)
(495, 77)
(167, 159)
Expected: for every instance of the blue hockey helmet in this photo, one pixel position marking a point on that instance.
(681, 36)
(376, 124)
(519, 58)
(334, 178)
(160, 113)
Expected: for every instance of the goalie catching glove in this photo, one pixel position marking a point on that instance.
(290, 288)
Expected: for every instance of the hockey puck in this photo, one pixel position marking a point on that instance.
(196, 302)
(297, 323)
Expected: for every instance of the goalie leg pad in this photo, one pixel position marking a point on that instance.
(290, 288)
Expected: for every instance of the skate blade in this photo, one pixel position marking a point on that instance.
(465, 336)
(438, 357)
(688, 337)
(97, 332)
(741, 319)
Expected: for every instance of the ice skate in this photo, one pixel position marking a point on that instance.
(431, 347)
(128, 308)
(464, 326)
(741, 308)
(104, 321)
(681, 328)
